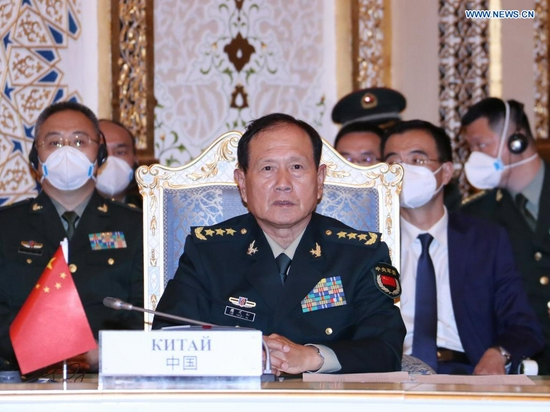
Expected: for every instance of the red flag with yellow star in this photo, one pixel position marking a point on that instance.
(51, 325)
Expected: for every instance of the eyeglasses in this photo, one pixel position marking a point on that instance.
(80, 141)
(363, 160)
(415, 160)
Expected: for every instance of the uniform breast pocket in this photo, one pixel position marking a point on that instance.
(108, 257)
(327, 324)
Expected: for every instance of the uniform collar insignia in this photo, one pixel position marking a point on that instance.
(251, 249)
(103, 208)
(499, 195)
(36, 207)
(317, 251)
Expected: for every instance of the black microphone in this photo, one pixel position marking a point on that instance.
(119, 304)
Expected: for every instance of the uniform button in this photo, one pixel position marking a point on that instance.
(328, 331)
(548, 304)
(538, 256)
(29, 261)
(111, 261)
(73, 268)
(328, 232)
(543, 280)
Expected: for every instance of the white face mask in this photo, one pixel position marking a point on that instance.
(419, 186)
(114, 176)
(485, 172)
(67, 168)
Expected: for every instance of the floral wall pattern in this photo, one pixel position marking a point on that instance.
(221, 63)
(35, 35)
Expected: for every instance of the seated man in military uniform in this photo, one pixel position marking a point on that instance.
(66, 153)
(321, 292)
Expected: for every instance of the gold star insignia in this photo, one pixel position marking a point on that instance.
(220, 232)
(209, 232)
(49, 265)
(352, 235)
(362, 236)
(341, 235)
(317, 251)
(251, 249)
(230, 231)
(47, 289)
(58, 285)
(62, 275)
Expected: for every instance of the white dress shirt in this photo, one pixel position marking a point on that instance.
(447, 333)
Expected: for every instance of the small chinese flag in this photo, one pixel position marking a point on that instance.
(51, 325)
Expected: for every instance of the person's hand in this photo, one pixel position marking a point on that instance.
(491, 363)
(85, 362)
(291, 358)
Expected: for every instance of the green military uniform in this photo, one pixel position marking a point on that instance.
(339, 291)
(30, 235)
(531, 249)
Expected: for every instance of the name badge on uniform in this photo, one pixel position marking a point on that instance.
(328, 293)
(107, 240)
(239, 313)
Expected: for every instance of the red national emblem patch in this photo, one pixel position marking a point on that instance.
(386, 278)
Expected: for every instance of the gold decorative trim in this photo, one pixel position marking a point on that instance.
(368, 46)
(133, 100)
(540, 27)
(223, 154)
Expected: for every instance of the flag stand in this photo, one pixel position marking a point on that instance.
(64, 374)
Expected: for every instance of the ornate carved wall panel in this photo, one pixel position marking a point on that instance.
(369, 47)
(35, 35)
(463, 68)
(132, 50)
(221, 63)
(540, 128)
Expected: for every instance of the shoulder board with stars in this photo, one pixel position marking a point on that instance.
(216, 233)
(353, 237)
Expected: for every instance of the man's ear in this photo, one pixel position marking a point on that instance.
(447, 172)
(321, 174)
(239, 177)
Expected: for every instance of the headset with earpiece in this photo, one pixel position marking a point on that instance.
(101, 153)
(517, 142)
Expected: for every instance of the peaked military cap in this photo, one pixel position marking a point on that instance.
(379, 105)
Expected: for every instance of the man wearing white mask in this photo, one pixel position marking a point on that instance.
(462, 303)
(105, 237)
(115, 177)
(505, 162)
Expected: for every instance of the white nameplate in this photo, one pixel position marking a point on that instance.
(194, 352)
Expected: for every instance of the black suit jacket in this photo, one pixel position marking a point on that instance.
(233, 260)
(531, 249)
(96, 273)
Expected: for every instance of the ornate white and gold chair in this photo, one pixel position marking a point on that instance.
(203, 193)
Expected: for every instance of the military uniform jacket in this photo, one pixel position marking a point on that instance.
(228, 276)
(30, 235)
(531, 249)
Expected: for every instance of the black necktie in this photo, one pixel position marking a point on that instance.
(425, 313)
(521, 203)
(70, 218)
(283, 262)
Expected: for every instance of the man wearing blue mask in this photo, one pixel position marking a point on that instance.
(462, 303)
(505, 162)
(105, 237)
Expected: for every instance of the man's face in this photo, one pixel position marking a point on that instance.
(70, 128)
(418, 148)
(119, 142)
(282, 185)
(362, 148)
(481, 138)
